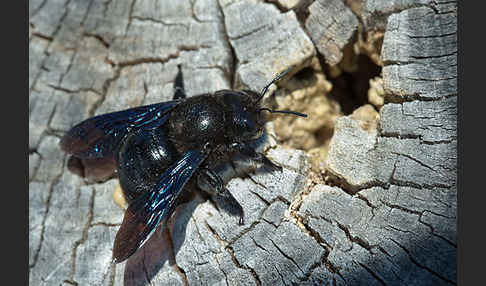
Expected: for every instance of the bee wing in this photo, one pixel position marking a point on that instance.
(144, 215)
(101, 135)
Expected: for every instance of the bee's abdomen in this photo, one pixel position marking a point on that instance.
(142, 159)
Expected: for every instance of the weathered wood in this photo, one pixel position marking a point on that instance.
(331, 25)
(421, 60)
(404, 173)
(265, 41)
(388, 215)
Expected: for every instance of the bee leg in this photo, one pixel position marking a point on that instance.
(211, 182)
(259, 158)
(227, 202)
(179, 85)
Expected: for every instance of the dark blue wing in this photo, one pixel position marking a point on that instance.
(144, 215)
(101, 135)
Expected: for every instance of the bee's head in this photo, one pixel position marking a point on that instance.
(247, 116)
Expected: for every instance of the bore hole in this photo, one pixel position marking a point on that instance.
(305, 73)
(350, 89)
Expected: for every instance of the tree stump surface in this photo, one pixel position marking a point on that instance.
(385, 215)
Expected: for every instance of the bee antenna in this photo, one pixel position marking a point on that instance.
(283, 111)
(277, 78)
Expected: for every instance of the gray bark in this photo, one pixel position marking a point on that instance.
(385, 213)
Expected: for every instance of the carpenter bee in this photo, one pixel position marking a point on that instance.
(158, 148)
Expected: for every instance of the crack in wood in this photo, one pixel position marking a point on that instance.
(255, 276)
(85, 16)
(99, 38)
(415, 160)
(398, 135)
(104, 91)
(422, 266)
(335, 180)
(256, 30)
(433, 232)
(130, 17)
(402, 183)
(304, 226)
(355, 239)
(105, 224)
(41, 5)
(331, 267)
(221, 269)
(105, 8)
(376, 276)
(54, 34)
(54, 182)
(258, 245)
(36, 168)
(231, 74)
(398, 207)
(430, 80)
(73, 91)
(71, 282)
(158, 21)
(286, 256)
(279, 274)
(43, 37)
(84, 236)
(195, 17)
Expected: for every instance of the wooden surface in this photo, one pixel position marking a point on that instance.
(385, 214)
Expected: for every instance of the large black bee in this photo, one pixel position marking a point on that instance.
(158, 148)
